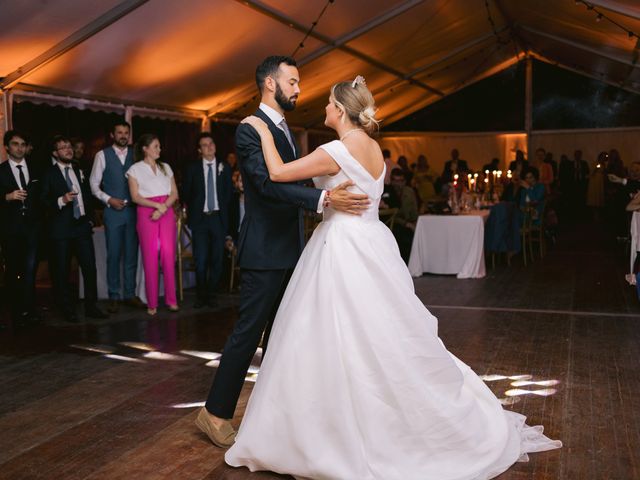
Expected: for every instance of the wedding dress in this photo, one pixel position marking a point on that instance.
(356, 384)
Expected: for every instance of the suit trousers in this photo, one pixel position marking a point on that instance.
(208, 253)
(260, 294)
(20, 251)
(122, 244)
(61, 250)
(158, 237)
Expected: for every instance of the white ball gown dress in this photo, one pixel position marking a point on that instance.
(356, 384)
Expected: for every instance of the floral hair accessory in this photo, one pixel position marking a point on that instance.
(359, 80)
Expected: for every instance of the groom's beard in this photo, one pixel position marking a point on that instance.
(287, 104)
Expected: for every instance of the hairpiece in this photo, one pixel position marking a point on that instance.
(359, 80)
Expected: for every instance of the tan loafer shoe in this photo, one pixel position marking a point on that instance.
(222, 437)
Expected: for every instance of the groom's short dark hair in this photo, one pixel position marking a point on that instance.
(269, 67)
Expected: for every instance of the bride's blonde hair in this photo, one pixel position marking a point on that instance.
(355, 99)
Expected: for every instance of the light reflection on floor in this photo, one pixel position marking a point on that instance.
(512, 395)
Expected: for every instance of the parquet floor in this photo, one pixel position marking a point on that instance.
(69, 411)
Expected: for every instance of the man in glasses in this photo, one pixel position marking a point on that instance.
(67, 195)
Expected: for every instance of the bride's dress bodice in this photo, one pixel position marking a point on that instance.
(350, 169)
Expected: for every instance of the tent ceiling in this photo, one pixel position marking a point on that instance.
(201, 54)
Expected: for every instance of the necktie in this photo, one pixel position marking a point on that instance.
(211, 189)
(287, 134)
(76, 206)
(23, 180)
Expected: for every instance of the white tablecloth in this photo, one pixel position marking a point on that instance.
(449, 244)
(100, 247)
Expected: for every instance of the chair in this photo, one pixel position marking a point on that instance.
(538, 235)
(186, 262)
(388, 216)
(525, 233)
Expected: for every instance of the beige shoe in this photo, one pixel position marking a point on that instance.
(222, 437)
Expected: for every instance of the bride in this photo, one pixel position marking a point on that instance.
(356, 384)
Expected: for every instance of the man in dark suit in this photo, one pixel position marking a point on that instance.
(270, 242)
(207, 193)
(519, 165)
(67, 195)
(453, 166)
(20, 220)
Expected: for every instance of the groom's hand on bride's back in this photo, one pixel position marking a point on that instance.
(345, 201)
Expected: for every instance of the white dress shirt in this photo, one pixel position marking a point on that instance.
(99, 164)
(276, 117)
(76, 186)
(151, 184)
(16, 171)
(214, 166)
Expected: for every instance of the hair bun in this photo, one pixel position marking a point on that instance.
(367, 118)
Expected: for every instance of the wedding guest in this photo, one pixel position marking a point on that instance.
(67, 194)
(547, 171)
(390, 165)
(79, 159)
(494, 165)
(519, 165)
(232, 161)
(574, 177)
(207, 193)
(423, 180)
(236, 206)
(109, 184)
(404, 165)
(153, 190)
(399, 195)
(453, 166)
(20, 220)
(532, 194)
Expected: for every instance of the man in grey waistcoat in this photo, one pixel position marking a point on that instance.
(109, 184)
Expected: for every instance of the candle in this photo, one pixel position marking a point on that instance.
(469, 182)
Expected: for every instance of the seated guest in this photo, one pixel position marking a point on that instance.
(20, 221)
(453, 166)
(404, 165)
(207, 193)
(153, 189)
(399, 196)
(66, 193)
(532, 194)
(423, 180)
(519, 164)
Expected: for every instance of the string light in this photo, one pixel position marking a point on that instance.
(601, 15)
(312, 28)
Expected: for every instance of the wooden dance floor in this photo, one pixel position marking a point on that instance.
(117, 399)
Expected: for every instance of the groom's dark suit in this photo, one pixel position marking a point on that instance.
(270, 243)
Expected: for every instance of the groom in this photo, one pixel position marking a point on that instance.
(270, 242)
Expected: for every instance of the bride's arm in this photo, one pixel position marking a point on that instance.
(315, 164)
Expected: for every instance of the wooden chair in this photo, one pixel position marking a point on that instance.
(388, 216)
(525, 233)
(184, 253)
(538, 235)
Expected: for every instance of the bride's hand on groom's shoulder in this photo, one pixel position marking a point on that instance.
(257, 123)
(345, 201)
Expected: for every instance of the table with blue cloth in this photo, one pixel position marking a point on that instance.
(502, 230)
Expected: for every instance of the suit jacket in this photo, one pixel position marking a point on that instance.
(61, 222)
(194, 193)
(447, 174)
(11, 212)
(272, 231)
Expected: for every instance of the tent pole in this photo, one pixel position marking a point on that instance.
(528, 119)
(128, 117)
(5, 118)
(205, 126)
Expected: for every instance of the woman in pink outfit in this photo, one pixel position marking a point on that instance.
(153, 189)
